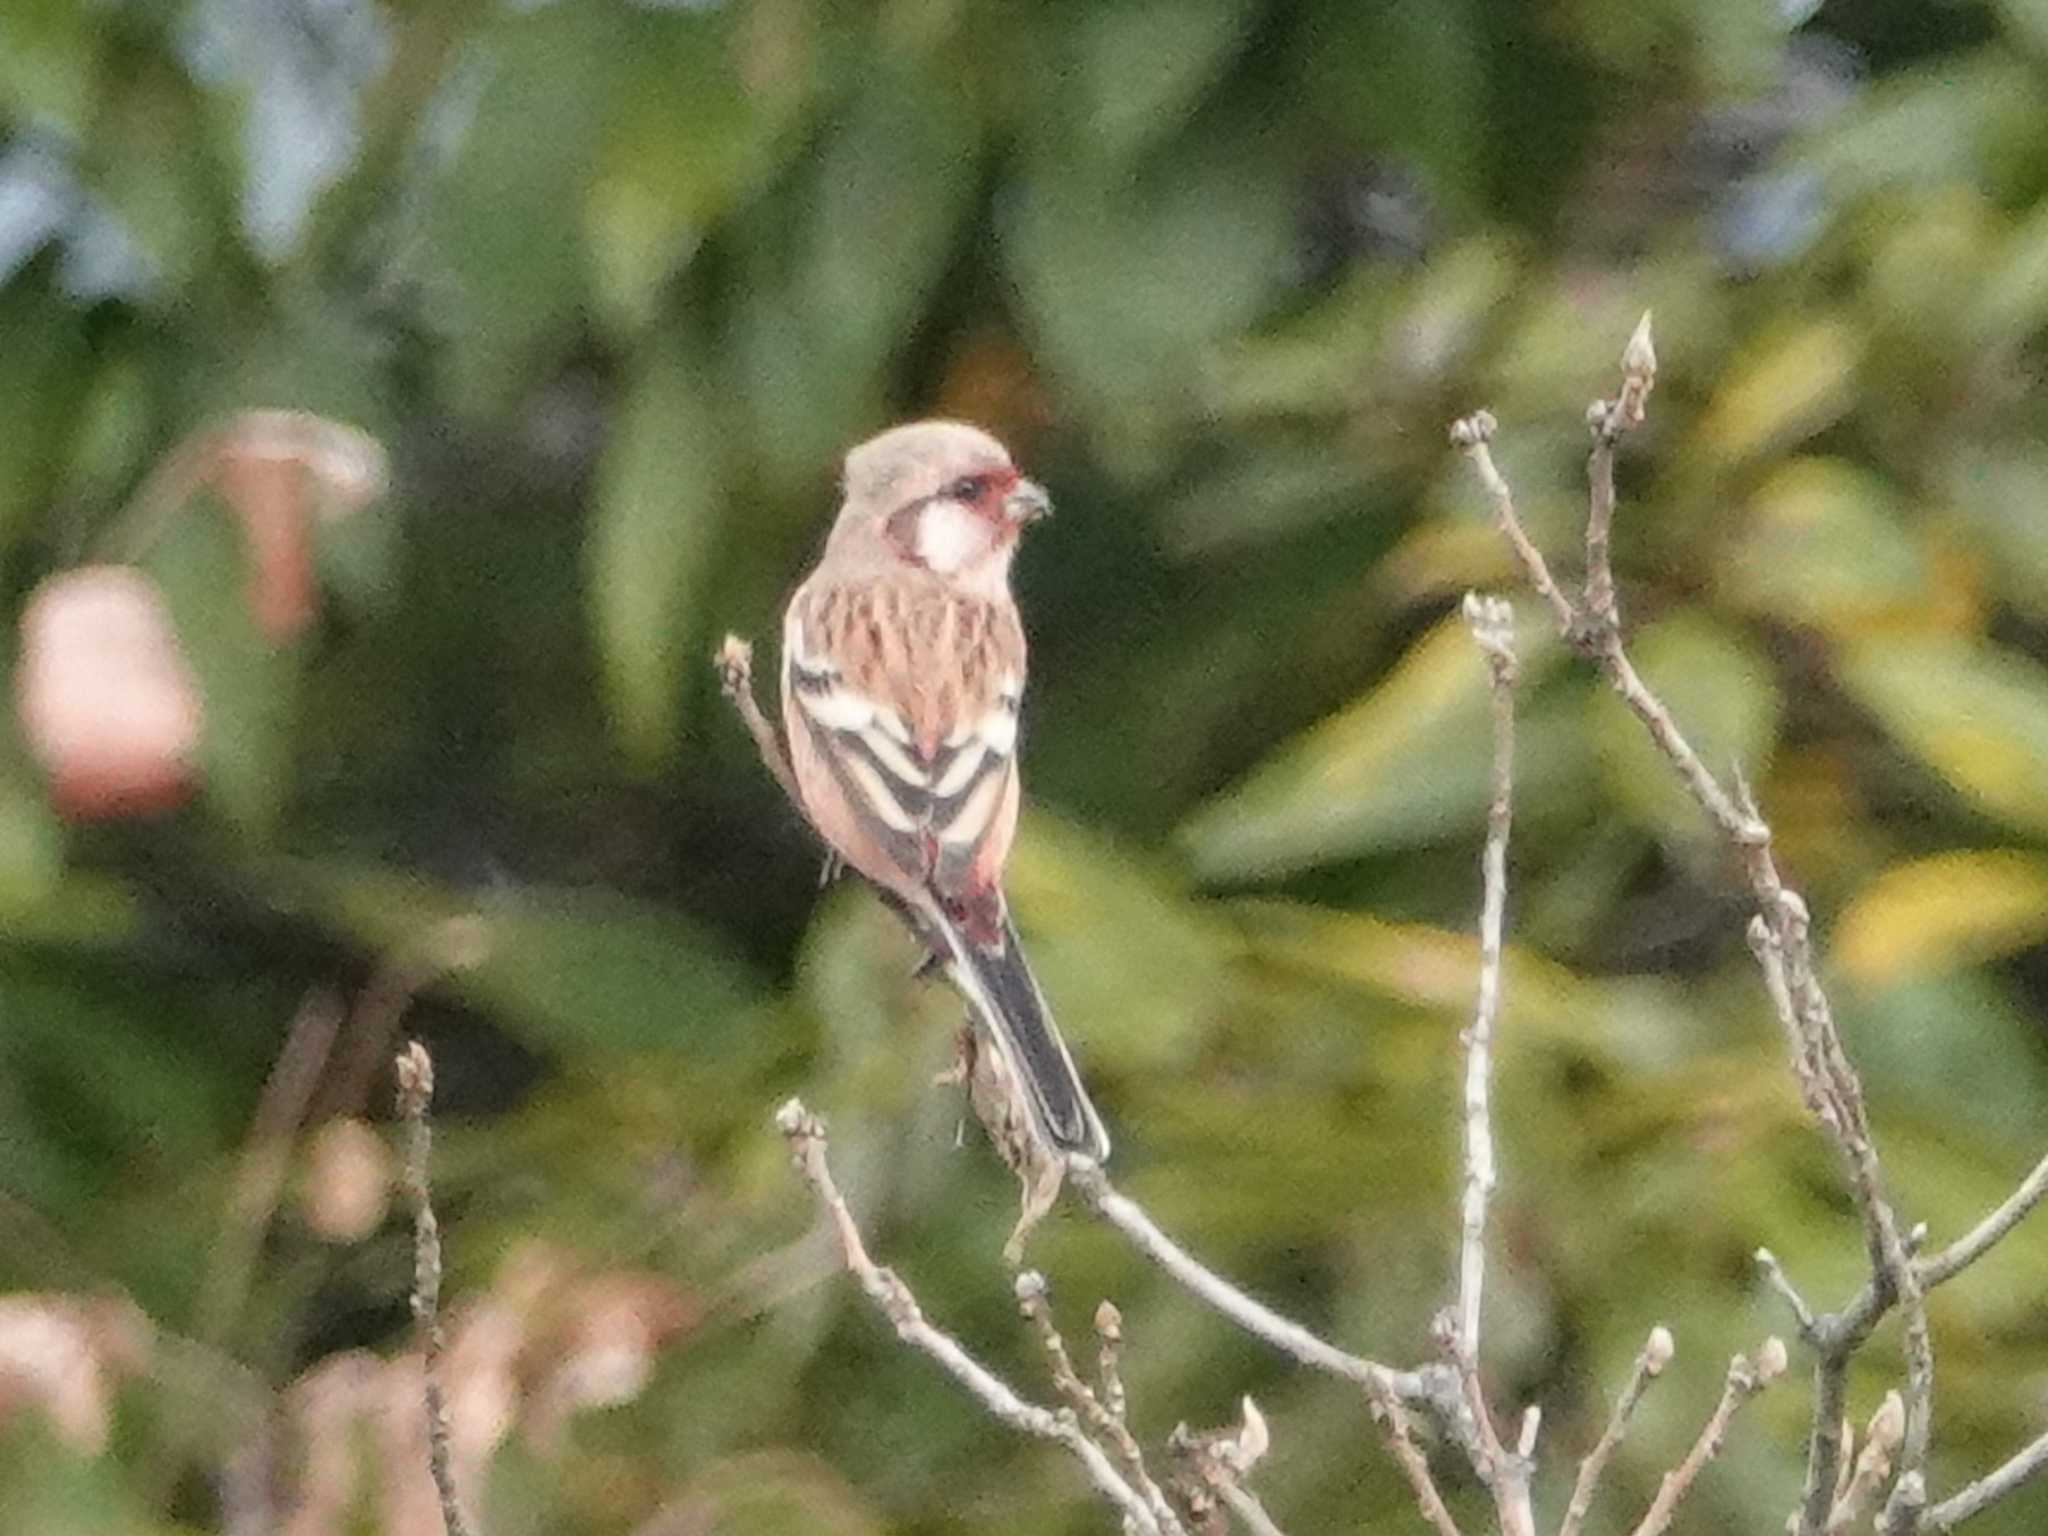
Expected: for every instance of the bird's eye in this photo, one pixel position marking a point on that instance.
(968, 488)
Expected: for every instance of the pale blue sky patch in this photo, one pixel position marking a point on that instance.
(299, 68)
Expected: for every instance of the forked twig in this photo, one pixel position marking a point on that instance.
(1650, 1362)
(805, 1134)
(1094, 1413)
(1781, 936)
(1746, 1378)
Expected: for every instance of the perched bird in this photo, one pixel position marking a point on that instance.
(902, 672)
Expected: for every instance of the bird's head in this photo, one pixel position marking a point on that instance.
(940, 495)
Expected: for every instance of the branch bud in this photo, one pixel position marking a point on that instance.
(1639, 357)
(1771, 1361)
(1658, 1351)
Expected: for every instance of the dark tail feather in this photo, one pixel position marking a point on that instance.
(1003, 992)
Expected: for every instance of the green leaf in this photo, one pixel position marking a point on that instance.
(1435, 970)
(2001, 494)
(893, 180)
(48, 60)
(2026, 22)
(1825, 544)
(1925, 125)
(45, 374)
(575, 971)
(657, 508)
(503, 238)
(1408, 78)
(837, 279)
(691, 134)
(31, 849)
(1974, 713)
(1946, 1041)
(2011, 304)
(1403, 765)
(1136, 970)
(1126, 284)
(1722, 691)
(248, 687)
(1138, 69)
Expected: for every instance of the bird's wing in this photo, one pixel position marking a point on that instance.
(907, 700)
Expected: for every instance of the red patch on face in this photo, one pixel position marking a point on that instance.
(983, 491)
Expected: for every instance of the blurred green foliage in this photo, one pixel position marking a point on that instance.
(616, 284)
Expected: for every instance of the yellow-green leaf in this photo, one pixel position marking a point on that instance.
(1977, 715)
(1941, 912)
(660, 492)
(1794, 382)
(1404, 764)
(1825, 545)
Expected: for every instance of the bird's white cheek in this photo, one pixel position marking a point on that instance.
(950, 537)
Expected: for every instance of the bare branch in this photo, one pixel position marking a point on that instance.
(1780, 936)
(805, 1134)
(2029, 1464)
(1781, 1282)
(735, 666)
(1493, 628)
(1974, 1244)
(1609, 419)
(1505, 1472)
(1472, 435)
(1031, 1301)
(1109, 1330)
(1650, 1362)
(1746, 1378)
(415, 1096)
(1246, 1506)
(1211, 1469)
(1408, 1456)
(1257, 1319)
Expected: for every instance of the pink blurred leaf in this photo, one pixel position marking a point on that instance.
(108, 704)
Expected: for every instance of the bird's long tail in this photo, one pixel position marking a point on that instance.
(998, 985)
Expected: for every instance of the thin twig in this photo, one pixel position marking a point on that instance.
(1746, 1378)
(1609, 420)
(1650, 1362)
(1109, 1331)
(1472, 435)
(805, 1134)
(1031, 1301)
(1979, 1240)
(1837, 1335)
(1505, 1472)
(1257, 1319)
(1246, 1506)
(2029, 1464)
(1493, 627)
(735, 665)
(415, 1096)
(1781, 1282)
(1409, 1458)
(1781, 936)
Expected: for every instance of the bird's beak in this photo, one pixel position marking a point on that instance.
(1027, 502)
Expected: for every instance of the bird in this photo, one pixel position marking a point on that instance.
(902, 678)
